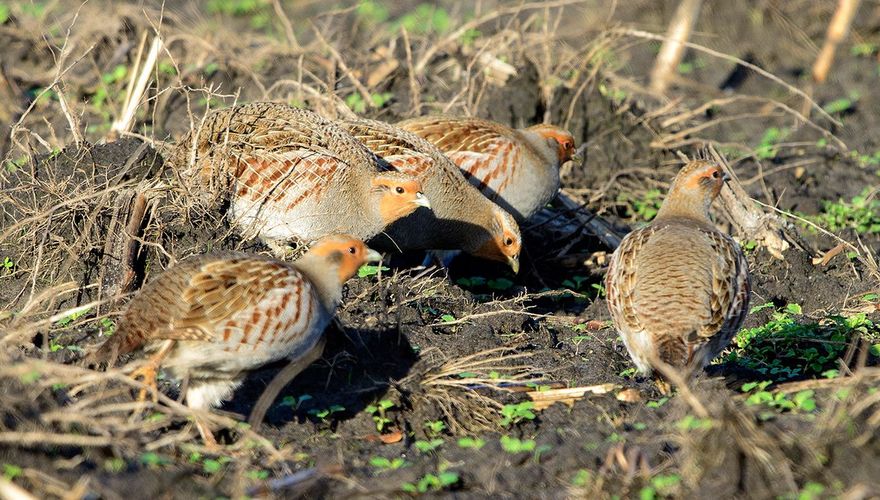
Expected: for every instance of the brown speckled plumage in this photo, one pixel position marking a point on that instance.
(226, 314)
(290, 174)
(462, 218)
(678, 289)
(518, 169)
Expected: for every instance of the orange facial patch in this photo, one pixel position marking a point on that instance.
(350, 254)
(561, 136)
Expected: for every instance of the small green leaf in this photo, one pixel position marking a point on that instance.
(794, 309)
(370, 270)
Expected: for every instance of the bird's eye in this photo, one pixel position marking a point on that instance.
(508, 242)
(399, 190)
(716, 174)
(352, 250)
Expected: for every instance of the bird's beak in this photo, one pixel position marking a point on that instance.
(422, 200)
(725, 177)
(373, 256)
(513, 262)
(578, 156)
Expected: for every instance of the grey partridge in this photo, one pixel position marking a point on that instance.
(212, 318)
(290, 174)
(516, 168)
(678, 289)
(461, 218)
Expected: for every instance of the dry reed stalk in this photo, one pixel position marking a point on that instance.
(838, 29)
(673, 47)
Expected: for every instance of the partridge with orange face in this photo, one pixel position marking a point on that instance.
(462, 218)
(293, 175)
(678, 289)
(518, 169)
(211, 319)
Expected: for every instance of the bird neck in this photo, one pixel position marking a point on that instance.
(538, 145)
(683, 205)
(324, 279)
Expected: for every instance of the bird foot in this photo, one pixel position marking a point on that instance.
(663, 386)
(148, 373)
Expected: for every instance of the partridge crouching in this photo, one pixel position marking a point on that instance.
(678, 289)
(516, 168)
(291, 175)
(461, 218)
(211, 319)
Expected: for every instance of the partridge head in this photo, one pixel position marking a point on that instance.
(678, 289)
(461, 217)
(518, 169)
(290, 174)
(212, 318)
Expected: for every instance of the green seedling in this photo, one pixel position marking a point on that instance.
(428, 446)
(357, 103)
(582, 478)
(371, 270)
(257, 475)
(325, 413)
(378, 412)
(841, 105)
(471, 443)
(657, 404)
(692, 423)
(516, 413)
(431, 482)
(473, 281)
(515, 445)
(665, 485)
(802, 401)
(294, 402)
(642, 209)
(151, 459)
(470, 36)
(106, 326)
(434, 427)
(383, 463)
(616, 95)
(70, 318)
(212, 466)
(864, 49)
(861, 214)
(372, 12)
(115, 465)
(426, 18)
(788, 347)
(767, 149)
(447, 318)
(688, 67)
(7, 264)
(11, 471)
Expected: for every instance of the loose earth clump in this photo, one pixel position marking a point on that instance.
(437, 380)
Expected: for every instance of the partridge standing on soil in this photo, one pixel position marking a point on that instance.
(212, 318)
(293, 175)
(462, 218)
(678, 289)
(518, 169)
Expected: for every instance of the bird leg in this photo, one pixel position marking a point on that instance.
(149, 371)
(207, 435)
